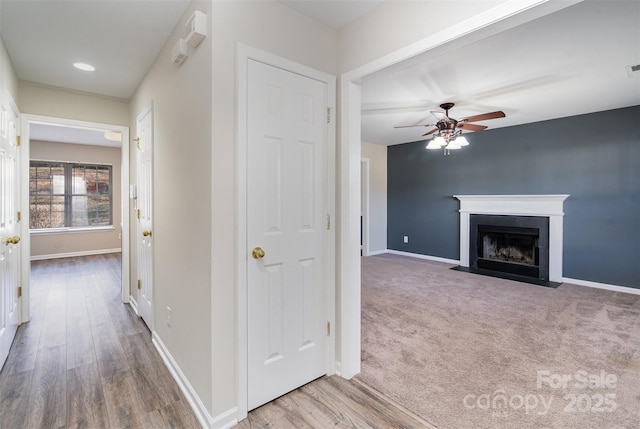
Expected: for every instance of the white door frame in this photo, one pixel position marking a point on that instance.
(147, 109)
(502, 17)
(26, 120)
(244, 54)
(364, 203)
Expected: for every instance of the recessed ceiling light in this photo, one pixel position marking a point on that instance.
(84, 66)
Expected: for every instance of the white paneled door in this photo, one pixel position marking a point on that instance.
(286, 231)
(144, 203)
(9, 230)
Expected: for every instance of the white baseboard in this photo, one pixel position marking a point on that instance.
(614, 288)
(134, 305)
(75, 254)
(377, 252)
(225, 420)
(427, 257)
(339, 368)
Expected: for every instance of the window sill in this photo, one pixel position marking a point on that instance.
(53, 231)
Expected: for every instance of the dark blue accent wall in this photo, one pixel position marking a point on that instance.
(595, 158)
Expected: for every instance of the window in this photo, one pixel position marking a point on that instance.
(69, 195)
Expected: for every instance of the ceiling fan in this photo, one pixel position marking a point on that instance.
(448, 125)
(449, 131)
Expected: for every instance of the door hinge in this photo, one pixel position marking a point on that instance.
(328, 115)
(19, 291)
(137, 140)
(138, 213)
(139, 284)
(328, 329)
(19, 216)
(18, 141)
(328, 221)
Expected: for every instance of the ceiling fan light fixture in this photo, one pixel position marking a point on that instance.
(433, 145)
(461, 141)
(440, 141)
(447, 133)
(453, 145)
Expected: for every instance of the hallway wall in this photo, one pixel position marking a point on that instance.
(44, 100)
(8, 78)
(181, 100)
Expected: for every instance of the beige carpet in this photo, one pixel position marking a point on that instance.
(465, 351)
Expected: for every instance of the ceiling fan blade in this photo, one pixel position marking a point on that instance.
(471, 127)
(484, 116)
(430, 132)
(417, 125)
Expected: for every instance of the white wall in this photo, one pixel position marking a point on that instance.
(275, 28)
(377, 156)
(181, 98)
(8, 78)
(56, 243)
(195, 181)
(43, 100)
(393, 25)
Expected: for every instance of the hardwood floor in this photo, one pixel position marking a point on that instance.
(84, 359)
(332, 402)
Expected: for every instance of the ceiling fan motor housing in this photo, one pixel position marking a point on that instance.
(447, 127)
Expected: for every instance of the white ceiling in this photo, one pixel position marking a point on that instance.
(570, 62)
(120, 38)
(333, 13)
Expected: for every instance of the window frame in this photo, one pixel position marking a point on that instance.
(69, 168)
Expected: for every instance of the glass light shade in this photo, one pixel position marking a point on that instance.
(433, 145)
(453, 145)
(461, 141)
(440, 141)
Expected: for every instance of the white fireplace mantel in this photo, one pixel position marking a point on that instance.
(550, 206)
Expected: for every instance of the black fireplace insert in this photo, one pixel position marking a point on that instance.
(515, 247)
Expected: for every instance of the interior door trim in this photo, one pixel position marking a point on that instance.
(26, 120)
(245, 53)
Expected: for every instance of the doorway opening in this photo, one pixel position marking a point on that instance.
(87, 215)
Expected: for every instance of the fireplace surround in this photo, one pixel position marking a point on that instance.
(539, 217)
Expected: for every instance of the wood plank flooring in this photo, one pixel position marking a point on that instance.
(85, 360)
(332, 402)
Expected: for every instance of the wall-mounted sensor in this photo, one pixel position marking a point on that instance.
(196, 28)
(180, 52)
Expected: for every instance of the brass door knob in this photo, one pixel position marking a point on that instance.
(146, 233)
(257, 253)
(13, 240)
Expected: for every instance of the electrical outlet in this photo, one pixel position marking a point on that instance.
(168, 316)
(406, 238)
